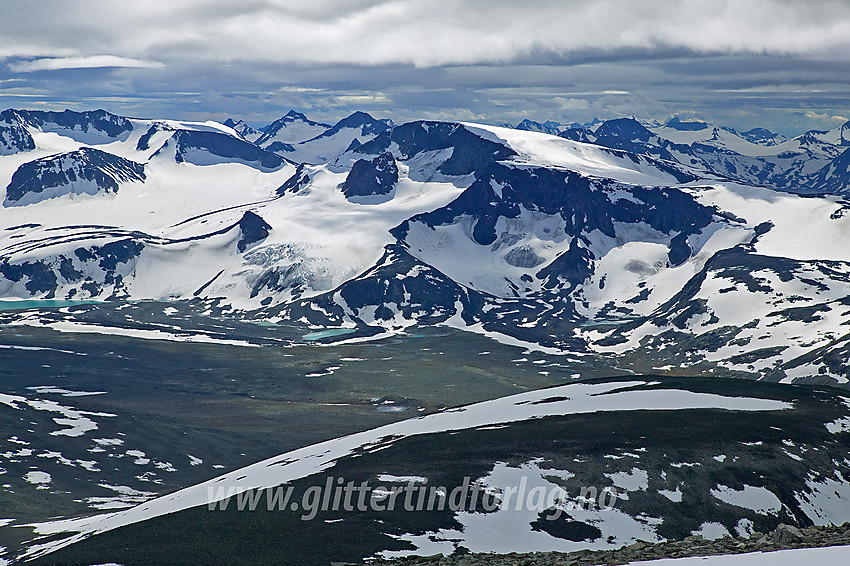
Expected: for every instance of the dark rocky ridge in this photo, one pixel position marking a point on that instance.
(298, 181)
(99, 120)
(104, 169)
(471, 153)
(216, 143)
(371, 178)
(532, 126)
(113, 260)
(577, 199)
(279, 146)
(253, 229)
(432, 294)
(144, 141)
(226, 146)
(14, 136)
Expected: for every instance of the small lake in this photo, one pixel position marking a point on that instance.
(328, 333)
(21, 304)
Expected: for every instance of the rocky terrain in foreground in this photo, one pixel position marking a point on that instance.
(784, 537)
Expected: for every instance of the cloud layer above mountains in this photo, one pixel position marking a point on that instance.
(781, 63)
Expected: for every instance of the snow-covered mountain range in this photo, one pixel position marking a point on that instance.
(813, 163)
(669, 247)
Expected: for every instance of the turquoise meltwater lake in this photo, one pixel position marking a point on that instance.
(21, 304)
(328, 333)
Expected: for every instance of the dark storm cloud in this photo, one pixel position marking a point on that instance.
(491, 60)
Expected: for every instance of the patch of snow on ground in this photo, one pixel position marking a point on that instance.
(711, 531)
(532, 495)
(41, 479)
(47, 389)
(829, 556)
(76, 423)
(826, 501)
(759, 499)
(634, 480)
(674, 496)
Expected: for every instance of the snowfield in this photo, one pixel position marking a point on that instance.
(829, 556)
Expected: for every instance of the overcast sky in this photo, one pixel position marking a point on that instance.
(781, 64)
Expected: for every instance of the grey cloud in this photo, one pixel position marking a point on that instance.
(494, 60)
(423, 33)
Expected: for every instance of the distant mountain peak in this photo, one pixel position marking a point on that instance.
(763, 136)
(532, 126)
(295, 116)
(243, 129)
(626, 128)
(294, 127)
(368, 125)
(356, 119)
(686, 126)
